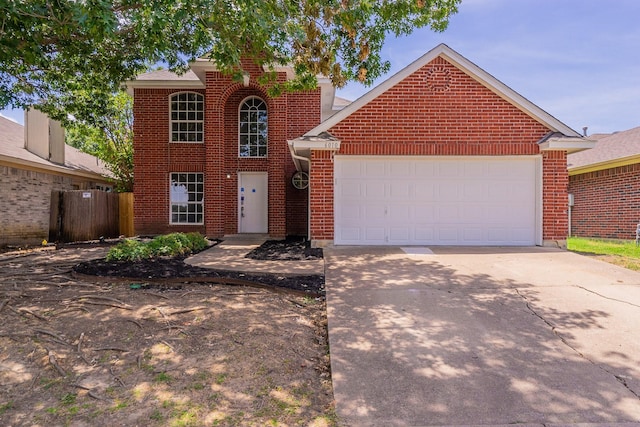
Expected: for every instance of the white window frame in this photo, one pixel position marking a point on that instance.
(186, 195)
(253, 133)
(188, 117)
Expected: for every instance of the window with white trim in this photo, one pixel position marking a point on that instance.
(187, 117)
(252, 124)
(186, 198)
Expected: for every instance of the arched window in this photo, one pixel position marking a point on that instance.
(252, 125)
(187, 117)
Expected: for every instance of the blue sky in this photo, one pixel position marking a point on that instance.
(579, 60)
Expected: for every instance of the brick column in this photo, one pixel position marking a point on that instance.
(555, 204)
(321, 197)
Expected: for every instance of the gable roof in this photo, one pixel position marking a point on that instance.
(467, 67)
(76, 162)
(611, 150)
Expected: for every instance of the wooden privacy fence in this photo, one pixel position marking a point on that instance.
(81, 215)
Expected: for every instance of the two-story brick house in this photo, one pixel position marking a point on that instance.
(440, 153)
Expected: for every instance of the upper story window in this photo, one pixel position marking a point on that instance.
(252, 132)
(187, 117)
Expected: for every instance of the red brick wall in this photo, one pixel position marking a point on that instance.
(290, 116)
(303, 114)
(555, 203)
(321, 198)
(439, 110)
(155, 158)
(606, 203)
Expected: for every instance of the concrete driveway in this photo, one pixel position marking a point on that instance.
(482, 336)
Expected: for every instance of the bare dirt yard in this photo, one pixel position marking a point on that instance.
(84, 350)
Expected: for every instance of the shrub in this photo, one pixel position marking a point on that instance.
(174, 244)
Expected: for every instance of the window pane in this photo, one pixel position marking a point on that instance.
(187, 116)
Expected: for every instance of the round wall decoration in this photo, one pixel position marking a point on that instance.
(300, 180)
(438, 79)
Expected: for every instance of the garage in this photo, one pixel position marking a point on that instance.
(439, 200)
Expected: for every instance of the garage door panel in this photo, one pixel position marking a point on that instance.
(374, 213)
(474, 191)
(374, 189)
(375, 235)
(449, 169)
(400, 212)
(424, 234)
(448, 212)
(425, 191)
(351, 212)
(424, 213)
(436, 200)
(400, 190)
(449, 191)
(374, 169)
(351, 234)
(350, 189)
(399, 235)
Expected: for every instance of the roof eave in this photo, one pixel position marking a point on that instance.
(607, 164)
(570, 145)
(53, 168)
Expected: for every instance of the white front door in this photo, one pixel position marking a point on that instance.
(253, 202)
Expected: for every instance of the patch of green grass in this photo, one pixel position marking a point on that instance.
(624, 253)
(626, 248)
(162, 377)
(69, 398)
(5, 407)
(156, 415)
(220, 379)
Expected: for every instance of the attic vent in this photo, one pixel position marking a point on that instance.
(438, 79)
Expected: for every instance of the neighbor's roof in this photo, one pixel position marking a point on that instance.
(470, 69)
(611, 150)
(12, 150)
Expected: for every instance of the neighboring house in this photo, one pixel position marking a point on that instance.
(604, 183)
(34, 160)
(439, 154)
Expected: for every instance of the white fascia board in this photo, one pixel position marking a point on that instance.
(319, 143)
(570, 145)
(466, 66)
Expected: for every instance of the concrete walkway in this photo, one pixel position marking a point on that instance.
(482, 336)
(229, 255)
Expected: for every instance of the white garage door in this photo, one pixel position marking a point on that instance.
(436, 200)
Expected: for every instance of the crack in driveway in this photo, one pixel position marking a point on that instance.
(621, 379)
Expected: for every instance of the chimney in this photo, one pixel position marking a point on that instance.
(43, 137)
(584, 130)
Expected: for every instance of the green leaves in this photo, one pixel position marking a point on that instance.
(100, 124)
(51, 48)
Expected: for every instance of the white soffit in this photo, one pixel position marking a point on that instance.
(570, 145)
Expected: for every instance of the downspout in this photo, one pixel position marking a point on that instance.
(296, 160)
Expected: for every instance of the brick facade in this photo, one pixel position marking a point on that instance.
(606, 202)
(26, 201)
(440, 111)
(217, 158)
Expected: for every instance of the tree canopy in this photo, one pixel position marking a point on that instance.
(49, 48)
(103, 126)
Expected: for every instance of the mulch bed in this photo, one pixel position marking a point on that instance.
(172, 269)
